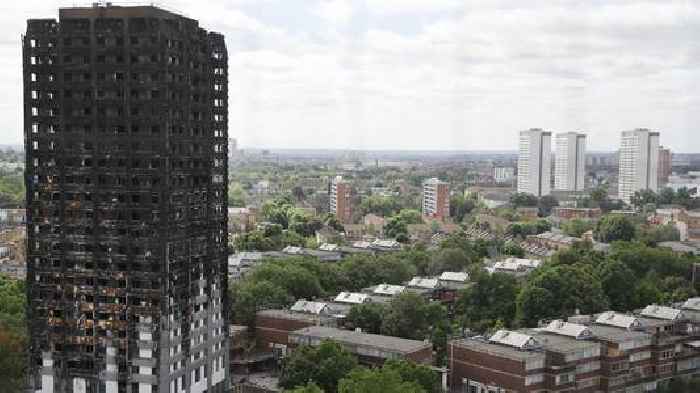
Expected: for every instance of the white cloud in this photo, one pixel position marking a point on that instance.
(437, 74)
(335, 11)
(412, 6)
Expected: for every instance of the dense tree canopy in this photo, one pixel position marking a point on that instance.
(577, 227)
(614, 227)
(379, 205)
(490, 298)
(378, 380)
(367, 316)
(522, 199)
(325, 365)
(460, 207)
(12, 190)
(560, 290)
(13, 339)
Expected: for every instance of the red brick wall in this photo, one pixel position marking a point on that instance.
(485, 368)
(424, 356)
(276, 330)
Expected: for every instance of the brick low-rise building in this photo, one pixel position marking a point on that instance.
(272, 327)
(609, 352)
(370, 349)
(570, 213)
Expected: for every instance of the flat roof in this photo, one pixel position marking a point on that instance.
(616, 334)
(286, 314)
(499, 350)
(117, 11)
(557, 343)
(385, 343)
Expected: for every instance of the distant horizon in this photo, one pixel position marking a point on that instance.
(20, 147)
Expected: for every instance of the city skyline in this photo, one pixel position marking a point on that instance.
(380, 75)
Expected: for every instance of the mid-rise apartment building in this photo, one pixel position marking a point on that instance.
(126, 122)
(665, 165)
(436, 199)
(609, 352)
(535, 162)
(570, 162)
(340, 193)
(639, 161)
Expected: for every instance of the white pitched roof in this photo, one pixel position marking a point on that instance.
(517, 264)
(454, 276)
(567, 329)
(661, 312)
(306, 306)
(425, 283)
(361, 244)
(291, 250)
(692, 304)
(351, 297)
(513, 339)
(613, 318)
(387, 289)
(386, 243)
(329, 247)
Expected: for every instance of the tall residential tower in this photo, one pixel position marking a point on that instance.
(535, 162)
(436, 199)
(340, 194)
(639, 160)
(665, 165)
(125, 122)
(570, 162)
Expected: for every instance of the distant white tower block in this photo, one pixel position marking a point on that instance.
(535, 162)
(570, 162)
(639, 160)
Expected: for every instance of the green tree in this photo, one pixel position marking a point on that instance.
(460, 207)
(379, 205)
(410, 216)
(236, 195)
(331, 220)
(545, 205)
(667, 196)
(651, 235)
(397, 229)
(11, 190)
(522, 199)
(647, 292)
(279, 210)
(325, 365)
(577, 227)
(296, 280)
(449, 259)
(407, 316)
(379, 380)
(559, 290)
(13, 338)
(614, 227)
(513, 249)
(250, 296)
(490, 298)
(642, 198)
(367, 316)
(424, 376)
(618, 282)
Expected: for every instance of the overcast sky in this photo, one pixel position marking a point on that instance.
(433, 74)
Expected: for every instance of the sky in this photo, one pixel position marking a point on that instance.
(432, 74)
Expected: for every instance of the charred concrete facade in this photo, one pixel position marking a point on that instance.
(126, 140)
